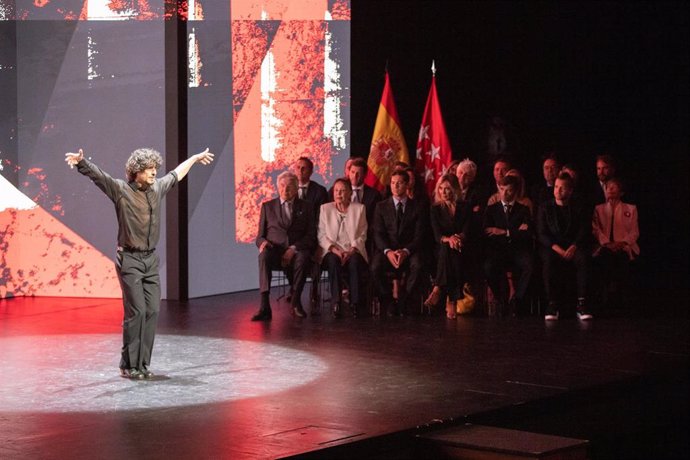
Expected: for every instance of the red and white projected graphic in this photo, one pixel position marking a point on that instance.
(286, 96)
(268, 82)
(41, 256)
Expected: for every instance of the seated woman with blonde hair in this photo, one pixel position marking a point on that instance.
(450, 224)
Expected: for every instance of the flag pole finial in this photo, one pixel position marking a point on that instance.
(433, 67)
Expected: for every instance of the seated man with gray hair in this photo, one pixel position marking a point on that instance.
(286, 240)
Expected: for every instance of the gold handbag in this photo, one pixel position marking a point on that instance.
(465, 305)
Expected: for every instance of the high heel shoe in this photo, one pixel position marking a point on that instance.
(433, 298)
(450, 310)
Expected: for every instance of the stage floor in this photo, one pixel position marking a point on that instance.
(230, 388)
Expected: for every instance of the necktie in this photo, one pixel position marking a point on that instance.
(508, 208)
(287, 212)
(302, 192)
(399, 214)
(357, 198)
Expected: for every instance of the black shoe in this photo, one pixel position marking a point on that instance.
(299, 312)
(393, 309)
(133, 374)
(314, 309)
(514, 307)
(264, 314)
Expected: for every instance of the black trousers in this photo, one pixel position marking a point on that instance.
(296, 271)
(380, 265)
(499, 263)
(450, 271)
(141, 298)
(554, 268)
(353, 270)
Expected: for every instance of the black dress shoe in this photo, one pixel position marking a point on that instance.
(299, 312)
(314, 307)
(264, 314)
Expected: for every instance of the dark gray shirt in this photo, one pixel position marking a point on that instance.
(138, 211)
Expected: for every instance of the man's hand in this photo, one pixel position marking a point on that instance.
(73, 158)
(265, 244)
(393, 258)
(287, 257)
(494, 231)
(570, 252)
(205, 157)
(523, 227)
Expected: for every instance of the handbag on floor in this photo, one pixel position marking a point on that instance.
(466, 304)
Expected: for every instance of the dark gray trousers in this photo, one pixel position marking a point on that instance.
(141, 294)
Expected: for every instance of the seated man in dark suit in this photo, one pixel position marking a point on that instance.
(564, 228)
(286, 239)
(399, 230)
(508, 228)
(316, 195)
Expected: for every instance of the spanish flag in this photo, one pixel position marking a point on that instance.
(387, 144)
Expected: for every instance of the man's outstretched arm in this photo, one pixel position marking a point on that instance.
(183, 168)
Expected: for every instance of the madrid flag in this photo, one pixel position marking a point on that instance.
(387, 144)
(433, 148)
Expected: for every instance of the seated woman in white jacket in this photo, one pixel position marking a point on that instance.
(342, 234)
(615, 227)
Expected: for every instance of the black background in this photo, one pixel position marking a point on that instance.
(581, 78)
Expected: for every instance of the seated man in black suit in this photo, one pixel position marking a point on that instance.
(564, 228)
(286, 239)
(316, 195)
(508, 227)
(399, 230)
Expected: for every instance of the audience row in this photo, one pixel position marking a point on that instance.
(396, 243)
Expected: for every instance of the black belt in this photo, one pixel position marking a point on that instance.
(145, 252)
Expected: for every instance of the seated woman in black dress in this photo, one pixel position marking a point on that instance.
(449, 221)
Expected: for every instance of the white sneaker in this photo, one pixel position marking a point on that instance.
(583, 315)
(551, 316)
